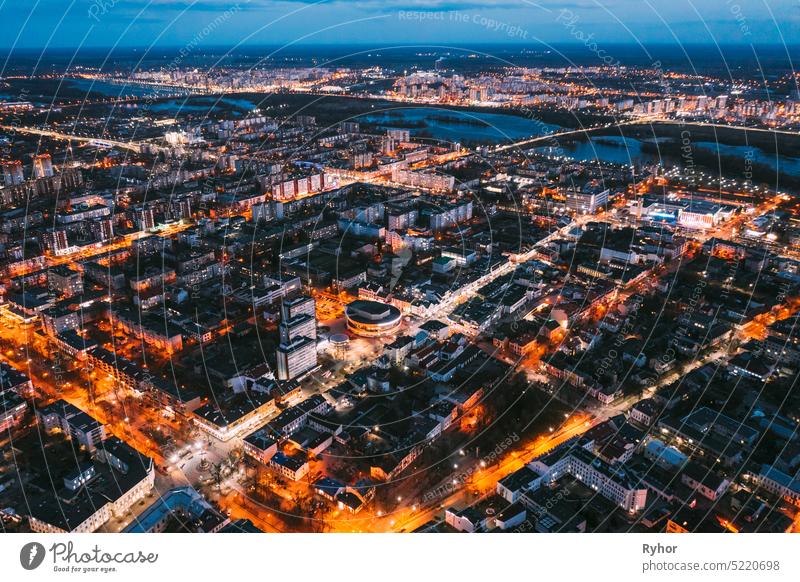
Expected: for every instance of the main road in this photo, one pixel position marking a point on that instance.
(127, 145)
(484, 480)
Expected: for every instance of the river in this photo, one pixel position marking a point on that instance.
(492, 128)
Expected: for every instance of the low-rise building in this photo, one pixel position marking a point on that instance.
(185, 508)
(117, 478)
(73, 422)
(612, 481)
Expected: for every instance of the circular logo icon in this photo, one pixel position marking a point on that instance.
(31, 555)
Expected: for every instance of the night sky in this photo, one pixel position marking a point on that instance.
(128, 23)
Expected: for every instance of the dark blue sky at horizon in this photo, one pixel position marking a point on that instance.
(202, 23)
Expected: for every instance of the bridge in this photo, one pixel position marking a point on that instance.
(97, 141)
(549, 137)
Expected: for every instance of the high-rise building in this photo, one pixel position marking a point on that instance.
(145, 218)
(297, 352)
(349, 127)
(182, 208)
(42, 166)
(302, 304)
(478, 94)
(401, 135)
(12, 173)
(296, 358)
(55, 240)
(388, 145)
(263, 212)
(303, 325)
(102, 229)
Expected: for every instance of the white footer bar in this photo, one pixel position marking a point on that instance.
(415, 557)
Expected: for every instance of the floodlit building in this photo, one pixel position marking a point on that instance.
(296, 358)
(372, 318)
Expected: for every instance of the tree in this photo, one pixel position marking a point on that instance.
(216, 475)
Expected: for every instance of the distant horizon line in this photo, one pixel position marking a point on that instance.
(507, 44)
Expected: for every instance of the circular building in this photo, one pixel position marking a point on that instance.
(372, 318)
(339, 343)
